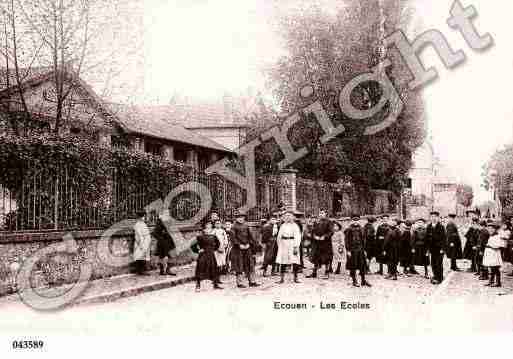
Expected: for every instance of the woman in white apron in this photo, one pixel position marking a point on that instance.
(492, 257)
(288, 241)
(220, 253)
(142, 244)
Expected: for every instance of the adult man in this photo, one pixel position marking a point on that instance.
(165, 243)
(381, 233)
(391, 247)
(323, 250)
(355, 248)
(142, 243)
(269, 233)
(371, 248)
(437, 242)
(454, 251)
(242, 251)
(419, 247)
(472, 235)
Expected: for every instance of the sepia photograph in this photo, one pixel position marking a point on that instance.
(230, 177)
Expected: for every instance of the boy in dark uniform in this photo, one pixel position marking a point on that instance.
(419, 247)
(405, 254)
(269, 233)
(355, 247)
(371, 248)
(243, 251)
(437, 243)
(323, 250)
(381, 233)
(454, 251)
(470, 249)
(391, 249)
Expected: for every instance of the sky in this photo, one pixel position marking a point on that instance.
(206, 48)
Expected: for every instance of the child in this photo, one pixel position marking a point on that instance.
(492, 254)
(405, 254)
(206, 267)
(220, 253)
(338, 246)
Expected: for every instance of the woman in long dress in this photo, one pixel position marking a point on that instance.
(339, 252)
(206, 266)
(288, 240)
(492, 257)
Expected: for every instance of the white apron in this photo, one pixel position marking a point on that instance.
(142, 244)
(288, 239)
(492, 256)
(339, 252)
(223, 245)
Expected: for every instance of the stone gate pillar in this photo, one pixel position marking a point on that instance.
(288, 188)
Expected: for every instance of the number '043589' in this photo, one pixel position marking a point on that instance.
(27, 344)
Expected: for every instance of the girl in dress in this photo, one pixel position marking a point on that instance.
(220, 253)
(338, 246)
(492, 255)
(206, 266)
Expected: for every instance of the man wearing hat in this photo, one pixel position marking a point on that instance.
(472, 235)
(454, 251)
(269, 233)
(142, 244)
(355, 249)
(437, 239)
(242, 251)
(323, 249)
(381, 233)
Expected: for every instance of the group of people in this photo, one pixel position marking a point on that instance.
(226, 247)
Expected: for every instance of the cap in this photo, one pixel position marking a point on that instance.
(240, 214)
(371, 219)
(434, 213)
(452, 215)
(355, 217)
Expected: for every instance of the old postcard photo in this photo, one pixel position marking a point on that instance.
(254, 168)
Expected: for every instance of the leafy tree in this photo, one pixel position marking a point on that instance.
(327, 51)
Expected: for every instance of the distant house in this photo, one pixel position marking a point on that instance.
(136, 127)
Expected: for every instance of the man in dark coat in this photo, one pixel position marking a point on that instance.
(243, 251)
(381, 233)
(323, 249)
(391, 247)
(470, 249)
(269, 233)
(437, 244)
(482, 241)
(371, 247)
(355, 247)
(454, 251)
(419, 247)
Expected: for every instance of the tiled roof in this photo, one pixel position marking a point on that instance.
(145, 120)
(32, 74)
(198, 115)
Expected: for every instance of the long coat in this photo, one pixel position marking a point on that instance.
(482, 241)
(419, 245)
(372, 247)
(405, 247)
(471, 237)
(269, 233)
(392, 245)
(436, 238)
(288, 240)
(381, 233)
(322, 247)
(242, 259)
(454, 250)
(142, 242)
(355, 247)
(206, 265)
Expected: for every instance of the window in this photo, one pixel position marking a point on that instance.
(180, 154)
(154, 148)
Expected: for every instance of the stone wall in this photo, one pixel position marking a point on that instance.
(54, 270)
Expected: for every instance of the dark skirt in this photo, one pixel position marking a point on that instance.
(164, 246)
(375, 250)
(468, 252)
(323, 253)
(241, 261)
(455, 251)
(419, 257)
(392, 255)
(271, 250)
(405, 254)
(356, 261)
(206, 266)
